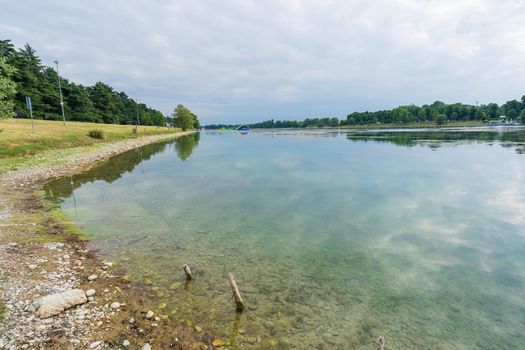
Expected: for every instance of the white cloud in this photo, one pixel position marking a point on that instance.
(232, 59)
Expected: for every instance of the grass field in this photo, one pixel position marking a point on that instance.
(17, 138)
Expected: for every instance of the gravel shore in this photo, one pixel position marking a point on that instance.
(33, 264)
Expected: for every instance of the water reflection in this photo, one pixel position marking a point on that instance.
(114, 168)
(184, 146)
(433, 138)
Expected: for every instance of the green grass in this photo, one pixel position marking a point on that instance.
(53, 143)
(18, 140)
(417, 125)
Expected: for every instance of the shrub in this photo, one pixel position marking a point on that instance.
(96, 134)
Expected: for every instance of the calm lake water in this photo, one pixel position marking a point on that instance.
(334, 238)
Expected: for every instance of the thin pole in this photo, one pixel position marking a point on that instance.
(30, 107)
(236, 295)
(187, 270)
(380, 343)
(61, 98)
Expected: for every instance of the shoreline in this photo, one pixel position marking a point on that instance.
(41, 255)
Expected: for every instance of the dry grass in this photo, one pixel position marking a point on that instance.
(17, 138)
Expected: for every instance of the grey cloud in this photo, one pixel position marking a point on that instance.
(239, 60)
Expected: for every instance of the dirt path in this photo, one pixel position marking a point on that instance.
(39, 257)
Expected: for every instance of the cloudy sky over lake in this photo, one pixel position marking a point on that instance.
(241, 60)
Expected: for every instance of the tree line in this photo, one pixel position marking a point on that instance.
(23, 74)
(440, 113)
(437, 112)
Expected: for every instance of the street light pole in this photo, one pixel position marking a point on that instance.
(61, 98)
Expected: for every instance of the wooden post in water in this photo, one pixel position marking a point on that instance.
(380, 343)
(236, 295)
(187, 270)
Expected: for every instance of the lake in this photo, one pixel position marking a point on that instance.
(334, 237)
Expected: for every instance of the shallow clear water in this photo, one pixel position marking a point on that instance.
(334, 238)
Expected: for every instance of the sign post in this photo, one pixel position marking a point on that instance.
(30, 107)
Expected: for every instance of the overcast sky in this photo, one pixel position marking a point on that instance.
(241, 60)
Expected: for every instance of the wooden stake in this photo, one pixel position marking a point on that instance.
(380, 343)
(236, 295)
(187, 270)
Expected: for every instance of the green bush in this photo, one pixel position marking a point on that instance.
(96, 134)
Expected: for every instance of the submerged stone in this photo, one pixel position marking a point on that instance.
(218, 343)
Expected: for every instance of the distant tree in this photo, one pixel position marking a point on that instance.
(7, 89)
(183, 118)
(512, 113)
(492, 110)
(196, 123)
(522, 117)
(401, 115)
(441, 119)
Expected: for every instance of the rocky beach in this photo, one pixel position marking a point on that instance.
(55, 293)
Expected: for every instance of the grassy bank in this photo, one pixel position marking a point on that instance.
(53, 142)
(417, 125)
(17, 138)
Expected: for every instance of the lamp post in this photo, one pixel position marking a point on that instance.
(61, 98)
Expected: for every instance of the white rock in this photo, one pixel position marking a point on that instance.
(92, 277)
(115, 305)
(95, 344)
(149, 314)
(126, 343)
(54, 304)
(146, 347)
(90, 292)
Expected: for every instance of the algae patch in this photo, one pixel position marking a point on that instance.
(2, 309)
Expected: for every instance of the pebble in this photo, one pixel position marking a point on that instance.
(92, 277)
(149, 315)
(146, 347)
(115, 305)
(218, 343)
(126, 343)
(95, 344)
(90, 292)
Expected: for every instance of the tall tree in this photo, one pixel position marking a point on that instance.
(183, 118)
(7, 89)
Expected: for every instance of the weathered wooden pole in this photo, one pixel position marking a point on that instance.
(236, 295)
(380, 343)
(187, 270)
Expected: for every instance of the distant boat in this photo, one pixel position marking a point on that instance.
(243, 128)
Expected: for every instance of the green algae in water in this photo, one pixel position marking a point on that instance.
(333, 240)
